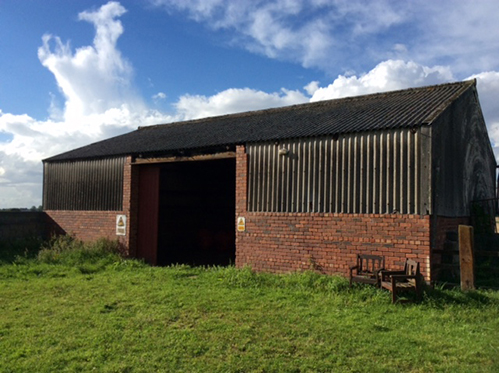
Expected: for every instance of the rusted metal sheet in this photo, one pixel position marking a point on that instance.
(88, 185)
(373, 172)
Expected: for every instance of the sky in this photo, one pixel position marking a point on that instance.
(76, 72)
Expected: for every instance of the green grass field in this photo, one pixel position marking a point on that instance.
(85, 309)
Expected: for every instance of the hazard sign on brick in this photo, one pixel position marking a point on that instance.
(241, 224)
(120, 225)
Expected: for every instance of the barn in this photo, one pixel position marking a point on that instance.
(301, 187)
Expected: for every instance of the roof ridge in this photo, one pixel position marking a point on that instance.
(340, 100)
(466, 84)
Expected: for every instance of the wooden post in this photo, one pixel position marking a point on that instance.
(466, 257)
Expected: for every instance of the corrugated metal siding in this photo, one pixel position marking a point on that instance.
(93, 185)
(373, 172)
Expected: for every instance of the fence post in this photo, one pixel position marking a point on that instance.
(466, 257)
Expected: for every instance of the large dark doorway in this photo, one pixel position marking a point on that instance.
(196, 224)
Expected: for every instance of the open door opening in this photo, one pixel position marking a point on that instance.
(196, 218)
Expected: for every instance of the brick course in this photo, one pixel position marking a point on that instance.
(281, 242)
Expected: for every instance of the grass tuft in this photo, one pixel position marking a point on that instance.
(87, 257)
(301, 281)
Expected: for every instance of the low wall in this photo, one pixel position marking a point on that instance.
(26, 224)
(87, 225)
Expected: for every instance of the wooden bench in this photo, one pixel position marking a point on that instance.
(367, 269)
(399, 281)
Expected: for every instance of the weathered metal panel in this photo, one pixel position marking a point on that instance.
(89, 185)
(463, 162)
(373, 172)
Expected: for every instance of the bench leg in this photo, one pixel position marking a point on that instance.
(394, 291)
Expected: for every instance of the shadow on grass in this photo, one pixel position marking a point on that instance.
(439, 296)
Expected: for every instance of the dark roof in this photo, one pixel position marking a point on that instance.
(390, 110)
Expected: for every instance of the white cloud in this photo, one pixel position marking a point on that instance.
(159, 96)
(19, 181)
(94, 78)
(338, 34)
(233, 101)
(488, 91)
(401, 48)
(96, 82)
(311, 87)
(463, 33)
(387, 76)
(272, 28)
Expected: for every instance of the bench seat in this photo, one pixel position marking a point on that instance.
(401, 281)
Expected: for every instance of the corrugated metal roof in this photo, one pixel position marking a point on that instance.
(397, 109)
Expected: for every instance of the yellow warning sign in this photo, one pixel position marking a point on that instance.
(120, 225)
(241, 224)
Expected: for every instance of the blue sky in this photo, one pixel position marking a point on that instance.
(76, 72)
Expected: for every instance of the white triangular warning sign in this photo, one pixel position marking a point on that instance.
(241, 224)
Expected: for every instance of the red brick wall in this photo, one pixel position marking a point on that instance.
(85, 225)
(92, 225)
(281, 242)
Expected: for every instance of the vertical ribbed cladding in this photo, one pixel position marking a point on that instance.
(86, 185)
(372, 172)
